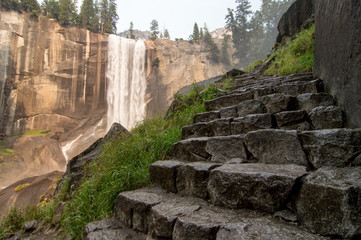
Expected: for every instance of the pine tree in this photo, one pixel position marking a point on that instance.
(88, 18)
(67, 12)
(195, 35)
(8, 5)
(30, 6)
(237, 22)
(131, 30)
(225, 50)
(214, 53)
(108, 16)
(201, 35)
(154, 30)
(166, 34)
(51, 9)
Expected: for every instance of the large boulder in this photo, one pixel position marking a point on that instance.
(74, 171)
(300, 13)
(274, 146)
(331, 147)
(329, 202)
(337, 53)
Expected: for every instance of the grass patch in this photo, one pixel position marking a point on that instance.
(16, 218)
(21, 187)
(42, 133)
(253, 65)
(7, 151)
(295, 56)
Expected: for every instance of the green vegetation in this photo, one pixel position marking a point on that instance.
(16, 218)
(21, 187)
(6, 151)
(155, 62)
(253, 65)
(295, 55)
(44, 211)
(42, 133)
(154, 30)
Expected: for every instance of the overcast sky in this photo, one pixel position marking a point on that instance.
(178, 16)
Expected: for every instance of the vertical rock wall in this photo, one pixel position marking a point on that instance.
(51, 77)
(338, 53)
(181, 64)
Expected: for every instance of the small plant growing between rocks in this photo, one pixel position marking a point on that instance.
(155, 62)
(21, 187)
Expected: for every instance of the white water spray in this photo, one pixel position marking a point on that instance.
(126, 81)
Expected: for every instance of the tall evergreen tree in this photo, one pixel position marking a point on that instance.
(201, 34)
(8, 5)
(67, 12)
(238, 23)
(131, 31)
(195, 35)
(214, 53)
(88, 16)
(225, 50)
(108, 16)
(30, 6)
(166, 34)
(154, 30)
(51, 9)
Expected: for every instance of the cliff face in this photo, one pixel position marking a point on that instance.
(181, 63)
(51, 76)
(338, 53)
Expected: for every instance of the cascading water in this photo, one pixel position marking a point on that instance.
(126, 81)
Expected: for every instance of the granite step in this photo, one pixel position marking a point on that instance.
(164, 215)
(110, 229)
(305, 101)
(258, 91)
(251, 118)
(260, 186)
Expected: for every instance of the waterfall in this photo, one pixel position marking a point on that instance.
(126, 81)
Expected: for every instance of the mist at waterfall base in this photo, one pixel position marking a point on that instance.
(126, 79)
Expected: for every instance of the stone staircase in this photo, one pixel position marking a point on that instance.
(269, 160)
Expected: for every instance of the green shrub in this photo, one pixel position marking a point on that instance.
(155, 62)
(295, 56)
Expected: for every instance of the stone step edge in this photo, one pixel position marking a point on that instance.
(255, 94)
(166, 215)
(233, 110)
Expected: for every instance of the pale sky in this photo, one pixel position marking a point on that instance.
(178, 16)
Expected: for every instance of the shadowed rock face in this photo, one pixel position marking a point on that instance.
(337, 53)
(299, 14)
